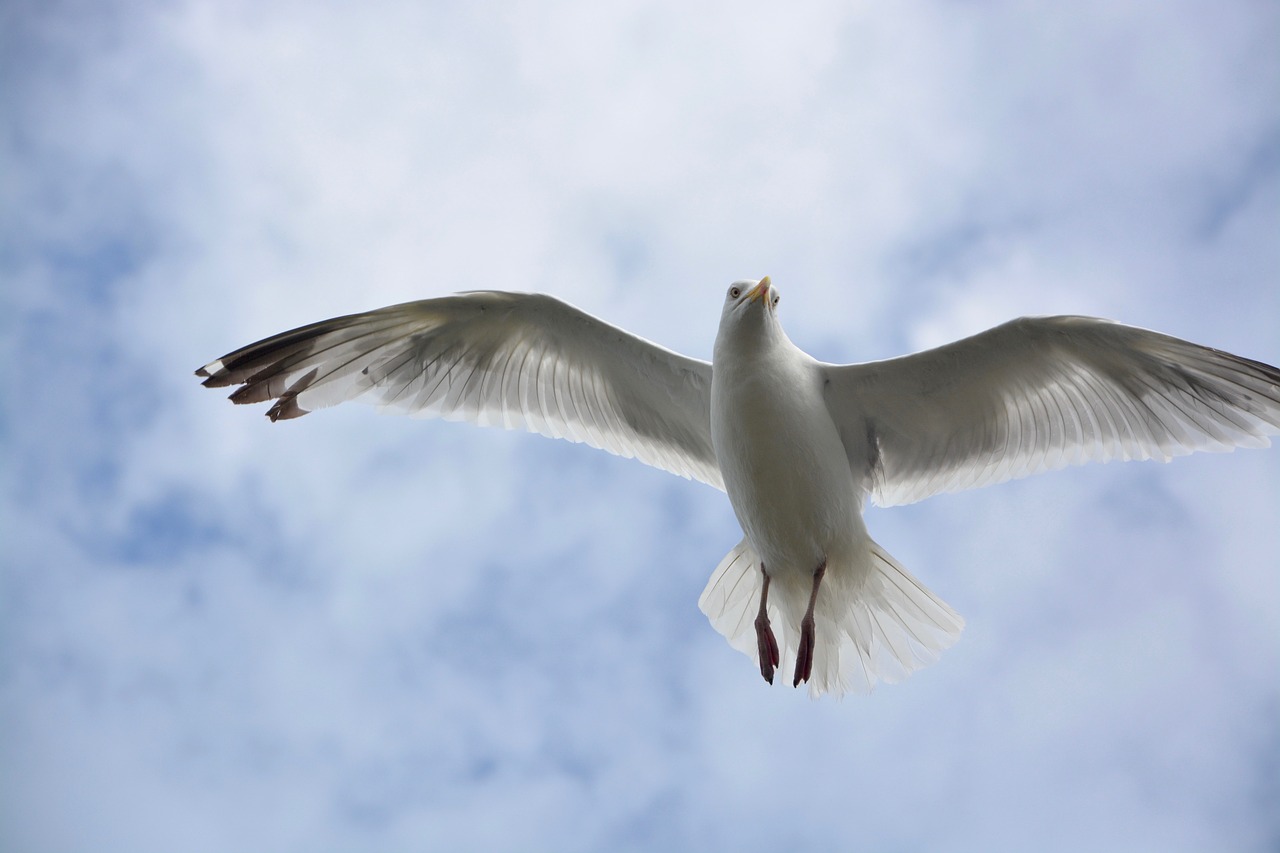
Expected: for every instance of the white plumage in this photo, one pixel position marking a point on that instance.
(798, 445)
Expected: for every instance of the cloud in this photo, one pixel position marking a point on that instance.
(353, 631)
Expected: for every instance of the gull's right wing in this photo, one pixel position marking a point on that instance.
(508, 359)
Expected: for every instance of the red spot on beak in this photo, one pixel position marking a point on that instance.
(760, 291)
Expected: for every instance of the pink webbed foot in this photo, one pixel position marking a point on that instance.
(766, 644)
(804, 657)
(808, 636)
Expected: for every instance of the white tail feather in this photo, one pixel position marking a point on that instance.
(873, 621)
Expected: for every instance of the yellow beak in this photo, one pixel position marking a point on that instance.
(760, 291)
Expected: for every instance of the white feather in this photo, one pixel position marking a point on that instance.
(875, 623)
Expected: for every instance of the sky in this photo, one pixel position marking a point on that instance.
(357, 632)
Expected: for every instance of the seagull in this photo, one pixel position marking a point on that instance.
(800, 446)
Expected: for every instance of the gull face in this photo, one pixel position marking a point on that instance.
(743, 293)
(749, 307)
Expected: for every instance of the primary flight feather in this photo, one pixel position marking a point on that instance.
(798, 445)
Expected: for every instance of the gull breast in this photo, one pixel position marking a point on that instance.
(785, 468)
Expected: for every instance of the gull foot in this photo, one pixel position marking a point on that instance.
(767, 647)
(804, 657)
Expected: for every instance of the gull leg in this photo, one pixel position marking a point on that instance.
(804, 657)
(765, 642)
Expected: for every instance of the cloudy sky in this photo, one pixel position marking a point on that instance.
(355, 632)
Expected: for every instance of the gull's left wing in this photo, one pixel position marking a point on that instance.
(1041, 393)
(506, 359)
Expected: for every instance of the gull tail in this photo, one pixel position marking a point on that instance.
(874, 621)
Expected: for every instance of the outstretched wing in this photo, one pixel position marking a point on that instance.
(507, 359)
(1041, 393)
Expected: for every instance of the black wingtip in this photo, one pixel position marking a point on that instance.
(214, 374)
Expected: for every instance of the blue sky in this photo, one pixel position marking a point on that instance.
(363, 632)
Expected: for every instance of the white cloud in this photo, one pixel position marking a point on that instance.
(354, 632)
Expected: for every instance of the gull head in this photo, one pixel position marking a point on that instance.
(749, 319)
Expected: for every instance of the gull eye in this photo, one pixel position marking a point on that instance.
(776, 297)
(735, 292)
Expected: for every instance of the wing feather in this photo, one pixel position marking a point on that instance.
(496, 359)
(1038, 394)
